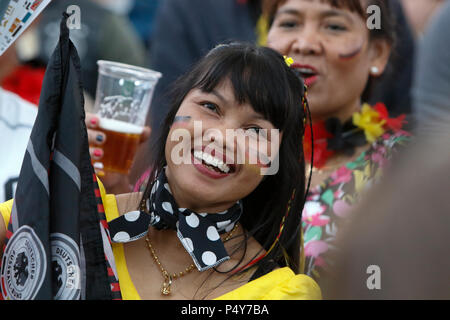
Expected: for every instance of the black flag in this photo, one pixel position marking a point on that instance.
(58, 245)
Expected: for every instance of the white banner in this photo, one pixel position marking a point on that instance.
(17, 16)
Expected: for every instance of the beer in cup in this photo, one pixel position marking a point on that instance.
(123, 97)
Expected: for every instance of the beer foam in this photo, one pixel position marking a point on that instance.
(120, 126)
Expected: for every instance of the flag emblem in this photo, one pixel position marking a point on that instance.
(23, 266)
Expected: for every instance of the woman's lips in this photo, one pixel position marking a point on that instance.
(308, 73)
(310, 81)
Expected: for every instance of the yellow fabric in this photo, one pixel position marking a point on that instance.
(280, 284)
(5, 210)
(127, 288)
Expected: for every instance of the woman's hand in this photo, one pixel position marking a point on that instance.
(113, 182)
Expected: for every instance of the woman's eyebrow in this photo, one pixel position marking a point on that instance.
(336, 13)
(322, 15)
(290, 11)
(219, 96)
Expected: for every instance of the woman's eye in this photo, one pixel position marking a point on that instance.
(288, 24)
(335, 27)
(254, 129)
(211, 106)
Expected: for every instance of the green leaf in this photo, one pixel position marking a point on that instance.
(313, 233)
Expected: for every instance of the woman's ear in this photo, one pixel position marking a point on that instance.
(380, 51)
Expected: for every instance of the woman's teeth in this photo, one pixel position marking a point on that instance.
(212, 161)
(306, 71)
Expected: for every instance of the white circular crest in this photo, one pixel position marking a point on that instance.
(24, 265)
(65, 267)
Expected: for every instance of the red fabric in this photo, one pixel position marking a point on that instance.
(394, 124)
(320, 135)
(26, 82)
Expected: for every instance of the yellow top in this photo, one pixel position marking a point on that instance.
(280, 284)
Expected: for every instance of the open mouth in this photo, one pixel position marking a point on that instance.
(308, 73)
(213, 163)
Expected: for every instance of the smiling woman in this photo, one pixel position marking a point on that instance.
(339, 59)
(215, 227)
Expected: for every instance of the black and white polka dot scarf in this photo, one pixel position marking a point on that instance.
(199, 233)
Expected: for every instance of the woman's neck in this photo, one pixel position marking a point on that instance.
(343, 113)
(193, 204)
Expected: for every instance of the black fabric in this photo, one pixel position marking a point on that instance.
(198, 232)
(345, 136)
(54, 247)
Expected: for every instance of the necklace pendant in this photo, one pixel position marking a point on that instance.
(165, 288)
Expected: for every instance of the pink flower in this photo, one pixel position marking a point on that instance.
(341, 175)
(314, 248)
(312, 214)
(378, 157)
(341, 208)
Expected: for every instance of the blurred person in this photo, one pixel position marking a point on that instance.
(339, 59)
(143, 15)
(122, 7)
(17, 116)
(431, 86)
(419, 13)
(103, 35)
(185, 30)
(406, 236)
(396, 244)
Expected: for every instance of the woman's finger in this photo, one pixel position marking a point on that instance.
(96, 137)
(91, 120)
(96, 153)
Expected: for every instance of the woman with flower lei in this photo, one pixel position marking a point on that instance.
(338, 57)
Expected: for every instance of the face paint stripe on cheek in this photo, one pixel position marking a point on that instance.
(350, 55)
(181, 121)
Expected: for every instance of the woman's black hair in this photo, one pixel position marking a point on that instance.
(260, 77)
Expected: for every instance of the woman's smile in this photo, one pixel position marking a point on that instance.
(213, 163)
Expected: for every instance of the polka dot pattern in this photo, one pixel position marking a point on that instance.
(209, 258)
(199, 233)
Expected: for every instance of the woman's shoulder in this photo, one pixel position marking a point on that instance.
(279, 284)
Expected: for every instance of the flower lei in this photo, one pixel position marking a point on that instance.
(365, 126)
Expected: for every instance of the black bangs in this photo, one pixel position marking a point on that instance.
(259, 77)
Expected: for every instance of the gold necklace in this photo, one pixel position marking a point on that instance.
(168, 278)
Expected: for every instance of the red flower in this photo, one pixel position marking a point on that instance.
(394, 124)
(320, 135)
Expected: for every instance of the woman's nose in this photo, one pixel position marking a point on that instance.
(307, 41)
